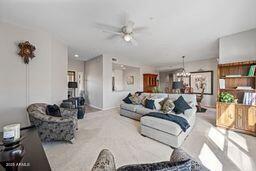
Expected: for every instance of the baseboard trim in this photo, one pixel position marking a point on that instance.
(108, 108)
(94, 106)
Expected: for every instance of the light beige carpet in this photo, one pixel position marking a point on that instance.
(216, 148)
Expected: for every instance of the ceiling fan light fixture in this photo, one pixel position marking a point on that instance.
(127, 37)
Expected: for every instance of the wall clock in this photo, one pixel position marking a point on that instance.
(26, 51)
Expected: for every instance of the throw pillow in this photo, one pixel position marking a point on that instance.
(127, 99)
(180, 105)
(143, 99)
(167, 105)
(157, 103)
(139, 93)
(150, 104)
(53, 110)
(135, 99)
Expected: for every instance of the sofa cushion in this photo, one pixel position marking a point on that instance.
(158, 95)
(180, 105)
(165, 125)
(130, 107)
(127, 99)
(142, 110)
(136, 108)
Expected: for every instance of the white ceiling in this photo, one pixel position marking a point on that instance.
(174, 27)
(116, 66)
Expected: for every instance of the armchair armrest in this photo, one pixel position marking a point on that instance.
(180, 155)
(105, 162)
(47, 118)
(65, 112)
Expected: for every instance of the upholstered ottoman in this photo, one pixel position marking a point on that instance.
(165, 131)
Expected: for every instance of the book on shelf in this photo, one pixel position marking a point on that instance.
(252, 70)
(244, 88)
(249, 98)
(233, 75)
(222, 83)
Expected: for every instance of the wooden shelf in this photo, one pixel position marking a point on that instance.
(238, 77)
(237, 64)
(237, 116)
(234, 89)
(239, 104)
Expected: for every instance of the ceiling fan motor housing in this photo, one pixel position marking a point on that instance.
(127, 30)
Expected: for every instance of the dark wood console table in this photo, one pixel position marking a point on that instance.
(34, 156)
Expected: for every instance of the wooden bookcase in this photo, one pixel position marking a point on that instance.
(236, 116)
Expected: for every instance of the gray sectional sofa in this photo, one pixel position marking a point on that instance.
(161, 130)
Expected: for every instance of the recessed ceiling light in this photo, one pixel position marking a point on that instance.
(122, 66)
(76, 55)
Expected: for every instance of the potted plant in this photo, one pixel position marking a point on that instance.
(226, 97)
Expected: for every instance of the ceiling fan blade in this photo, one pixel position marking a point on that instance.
(113, 36)
(130, 23)
(113, 32)
(108, 27)
(139, 29)
(134, 42)
(125, 19)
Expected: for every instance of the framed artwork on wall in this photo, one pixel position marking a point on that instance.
(130, 80)
(201, 79)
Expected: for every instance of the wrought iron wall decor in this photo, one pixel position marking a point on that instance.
(26, 51)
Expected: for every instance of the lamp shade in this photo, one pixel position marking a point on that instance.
(177, 85)
(72, 84)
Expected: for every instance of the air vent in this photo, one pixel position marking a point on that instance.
(114, 60)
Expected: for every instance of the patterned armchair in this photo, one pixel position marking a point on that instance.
(179, 160)
(52, 128)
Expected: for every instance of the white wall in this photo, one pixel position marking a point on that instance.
(238, 47)
(59, 71)
(135, 72)
(209, 64)
(111, 98)
(99, 73)
(42, 80)
(94, 81)
(118, 75)
(76, 65)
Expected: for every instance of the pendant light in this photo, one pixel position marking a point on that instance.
(183, 73)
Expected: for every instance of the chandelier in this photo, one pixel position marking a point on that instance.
(183, 73)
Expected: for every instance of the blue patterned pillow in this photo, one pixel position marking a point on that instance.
(150, 104)
(180, 105)
(127, 99)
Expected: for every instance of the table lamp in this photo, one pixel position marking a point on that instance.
(177, 85)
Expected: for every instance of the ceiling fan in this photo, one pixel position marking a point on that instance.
(126, 31)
